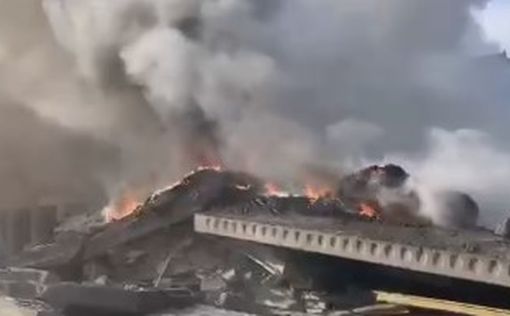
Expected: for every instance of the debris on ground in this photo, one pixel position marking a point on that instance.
(151, 262)
(503, 229)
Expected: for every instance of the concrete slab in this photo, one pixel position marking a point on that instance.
(471, 255)
(198, 191)
(61, 253)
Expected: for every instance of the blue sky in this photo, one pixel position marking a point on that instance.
(495, 20)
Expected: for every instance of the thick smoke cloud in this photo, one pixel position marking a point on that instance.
(268, 86)
(40, 161)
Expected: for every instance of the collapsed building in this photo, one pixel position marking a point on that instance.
(223, 238)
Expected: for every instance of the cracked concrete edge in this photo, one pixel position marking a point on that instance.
(460, 265)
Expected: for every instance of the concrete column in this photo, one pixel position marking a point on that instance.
(42, 222)
(69, 209)
(17, 230)
(3, 238)
(3, 229)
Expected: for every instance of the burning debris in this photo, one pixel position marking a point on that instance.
(152, 88)
(386, 193)
(206, 186)
(364, 190)
(144, 257)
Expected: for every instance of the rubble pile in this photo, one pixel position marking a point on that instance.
(151, 261)
(389, 196)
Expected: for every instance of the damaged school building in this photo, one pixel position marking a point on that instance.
(230, 240)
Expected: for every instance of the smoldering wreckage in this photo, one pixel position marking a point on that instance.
(356, 244)
(147, 259)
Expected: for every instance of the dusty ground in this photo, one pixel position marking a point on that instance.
(203, 311)
(9, 308)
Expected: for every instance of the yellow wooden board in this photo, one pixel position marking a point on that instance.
(440, 305)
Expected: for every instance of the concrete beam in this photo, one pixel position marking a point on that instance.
(456, 264)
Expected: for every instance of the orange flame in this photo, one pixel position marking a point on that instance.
(274, 190)
(243, 187)
(128, 202)
(316, 192)
(215, 167)
(365, 209)
(122, 207)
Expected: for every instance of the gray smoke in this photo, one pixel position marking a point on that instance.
(40, 161)
(267, 86)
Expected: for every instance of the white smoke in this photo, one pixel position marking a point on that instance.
(162, 55)
(463, 160)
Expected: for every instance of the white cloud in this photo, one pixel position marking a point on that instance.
(495, 21)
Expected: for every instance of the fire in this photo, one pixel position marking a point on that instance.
(243, 187)
(365, 209)
(274, 190)
(215, 167)
(180, 181)
(128, 202)
(121, 208)
(316, 192)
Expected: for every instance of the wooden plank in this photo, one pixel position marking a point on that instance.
(441, 305)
